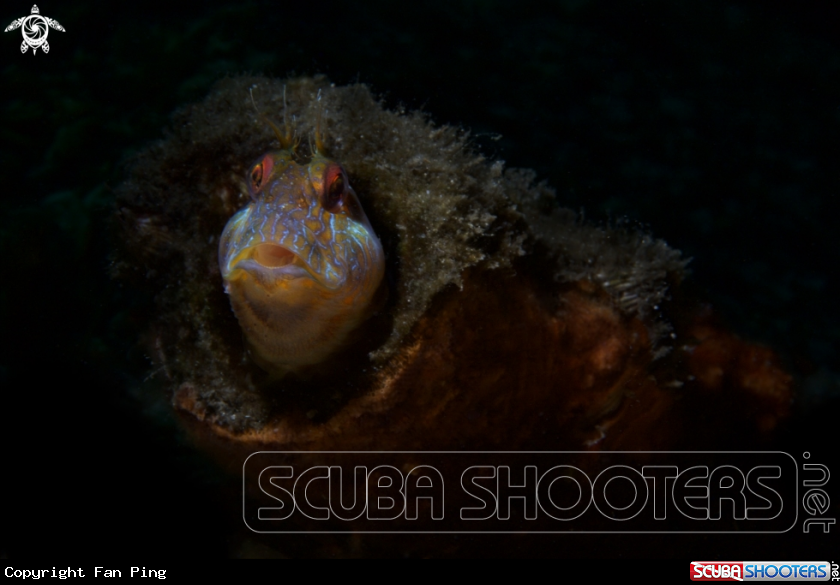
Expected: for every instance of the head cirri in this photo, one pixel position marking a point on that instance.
(300, 262)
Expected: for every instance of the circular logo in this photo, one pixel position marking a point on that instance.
(35, 30)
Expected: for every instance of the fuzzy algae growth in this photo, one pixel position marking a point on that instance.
(449, 221)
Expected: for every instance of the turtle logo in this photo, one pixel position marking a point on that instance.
(35, 28)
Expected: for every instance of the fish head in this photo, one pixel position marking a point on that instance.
(301, 261)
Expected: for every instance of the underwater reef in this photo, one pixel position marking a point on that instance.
(714, 124)
(509, 323)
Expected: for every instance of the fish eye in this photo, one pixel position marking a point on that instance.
(257, 176)
(261, 172)
(336, 186)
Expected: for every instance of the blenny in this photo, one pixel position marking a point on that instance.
(300, 262)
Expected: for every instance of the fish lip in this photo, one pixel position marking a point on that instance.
(235, 255)
(263, 274)
(298, 268)
(287, 272)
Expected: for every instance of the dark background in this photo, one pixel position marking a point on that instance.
(715, 125)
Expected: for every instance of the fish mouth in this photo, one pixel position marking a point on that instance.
(273, 255)
(268, 262)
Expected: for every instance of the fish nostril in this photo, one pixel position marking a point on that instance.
(272, 255)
